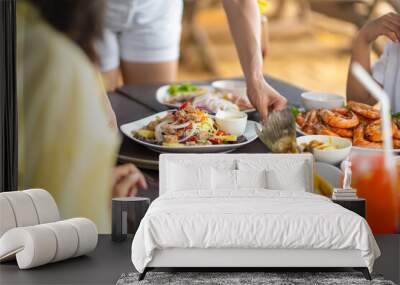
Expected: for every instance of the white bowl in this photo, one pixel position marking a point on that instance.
(320, 100)
(236, 87)
(333, 156)
(330, 173)
(231, 122)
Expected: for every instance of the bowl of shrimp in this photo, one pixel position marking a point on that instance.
(358, 122)
(328, 149)
(321, 100)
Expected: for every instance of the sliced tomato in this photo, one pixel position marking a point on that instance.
(220, 133)
(184, 105)
(215, 140)
(192, 139)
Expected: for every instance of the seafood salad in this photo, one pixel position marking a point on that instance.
(357, 121)
(186, 126)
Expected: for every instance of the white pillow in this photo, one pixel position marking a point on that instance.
(183, 177)
(224, 179)
(279, 180)
(251, 179)
(282, 172)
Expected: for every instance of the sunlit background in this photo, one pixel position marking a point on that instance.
(309, 43)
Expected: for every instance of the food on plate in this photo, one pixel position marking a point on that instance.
(205, 98)
(213, 104)
(364, 110)
(328, 149)
(338, 120)
(357, 121)
(359, 138)
(187, 126)
(316, 144)
(241, 101)
(178, 93)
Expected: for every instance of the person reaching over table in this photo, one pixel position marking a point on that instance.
(140, 41)
(386, 71)
(245, 24)
(66, 145)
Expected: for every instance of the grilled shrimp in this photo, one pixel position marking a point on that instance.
(396, 130)
(330, 131)
(346, 133)
(337, 120)
(373, 131)
(396, 143)
(310, 121)
(344, 111)
(300, 119)
(359, 140)
(326, 131)
(364, 110)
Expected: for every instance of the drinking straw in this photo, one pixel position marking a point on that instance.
(380, 95)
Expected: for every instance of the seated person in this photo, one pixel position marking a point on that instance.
(65, 143)
(386, 71)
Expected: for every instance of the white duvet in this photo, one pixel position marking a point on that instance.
(250, 219)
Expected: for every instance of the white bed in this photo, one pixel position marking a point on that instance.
(245, 210)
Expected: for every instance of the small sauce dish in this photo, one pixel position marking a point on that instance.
(232, 122)
(321, 100)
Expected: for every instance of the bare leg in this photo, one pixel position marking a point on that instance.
(112, 79)
(148, 73)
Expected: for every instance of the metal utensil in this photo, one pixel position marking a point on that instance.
(278, 132)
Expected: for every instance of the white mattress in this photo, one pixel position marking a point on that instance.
(257, 218)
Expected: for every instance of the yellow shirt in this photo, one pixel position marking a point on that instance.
(65, 145)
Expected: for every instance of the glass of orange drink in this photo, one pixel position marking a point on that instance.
(380, 187)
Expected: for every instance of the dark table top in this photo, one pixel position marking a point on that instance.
(132, 103)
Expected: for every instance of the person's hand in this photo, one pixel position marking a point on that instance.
(387, 25)
(265, 98)
(127, 181)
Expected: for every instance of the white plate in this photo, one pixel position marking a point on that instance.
(354, 149)
(162, 95)
(127, 129)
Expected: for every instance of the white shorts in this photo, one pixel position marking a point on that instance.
(149, 32)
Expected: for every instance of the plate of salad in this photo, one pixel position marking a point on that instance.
(202, 96)
(186, 130)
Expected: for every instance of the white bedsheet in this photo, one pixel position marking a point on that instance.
(250, 219)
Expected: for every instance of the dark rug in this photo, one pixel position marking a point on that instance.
(269, 278)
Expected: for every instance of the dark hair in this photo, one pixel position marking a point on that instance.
(80, 20)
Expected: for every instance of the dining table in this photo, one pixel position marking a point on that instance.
(111, 259)
(134, 102)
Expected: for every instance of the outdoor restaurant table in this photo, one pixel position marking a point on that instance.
(139, 101)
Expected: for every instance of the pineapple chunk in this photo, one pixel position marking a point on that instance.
(173, 144)
(229, 138)
(147, 134)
